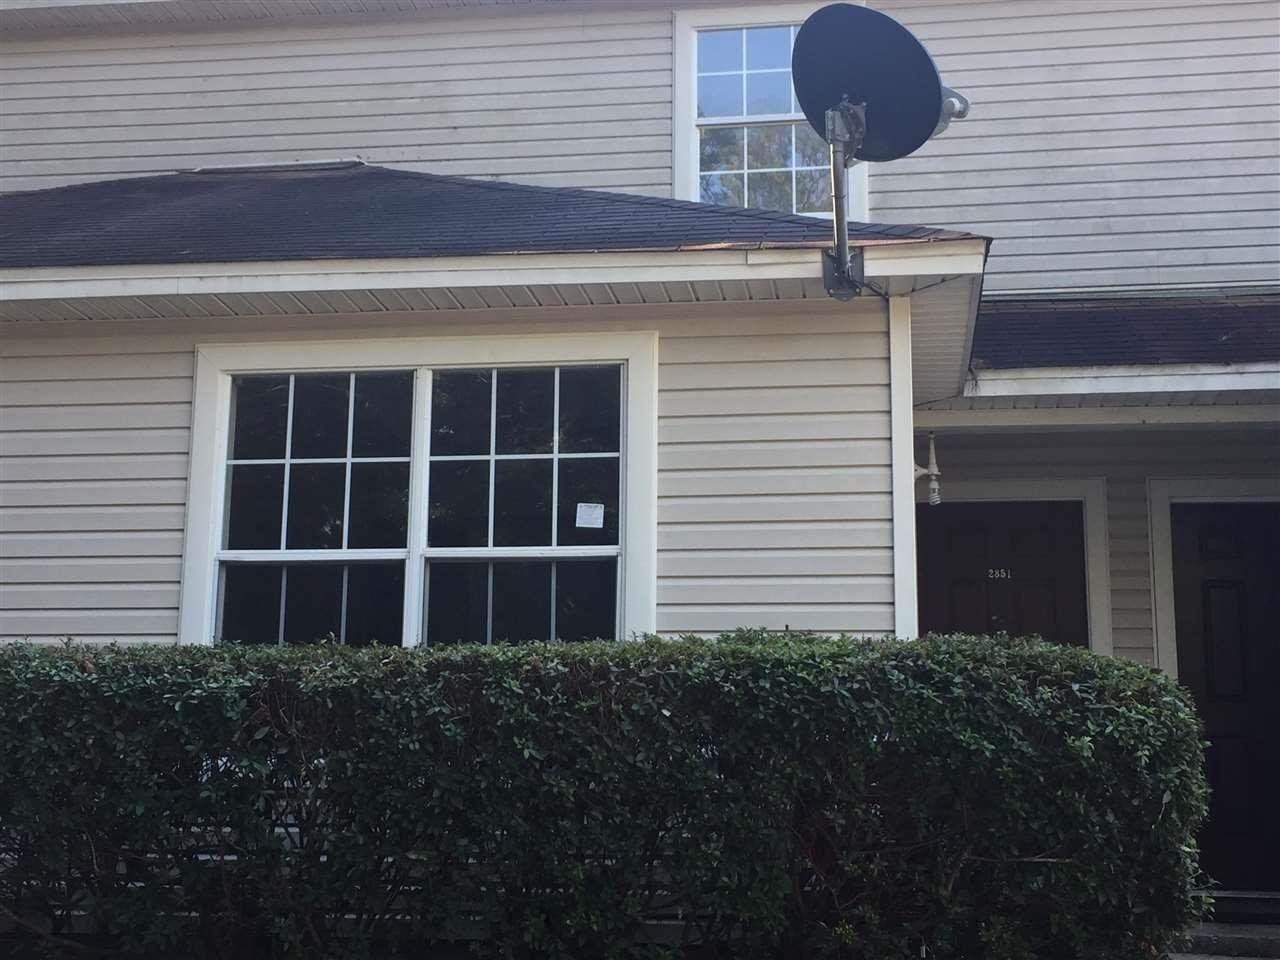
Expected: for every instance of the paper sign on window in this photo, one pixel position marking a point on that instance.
(591, 515)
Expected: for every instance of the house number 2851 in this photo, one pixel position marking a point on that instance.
(999, 573)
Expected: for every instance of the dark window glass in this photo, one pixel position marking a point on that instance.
(250, 603)
(320, 410)
(457, 602)
(260, 408)
(316, 493)
(379, 505)
(383, 415)
(312, 602)
(590, 400)
(584, 484)
(586, 599)
(256, 497)
(521, 602)
(526, 409)
(522, 503)
(460, 412)
(459, 504)
(375, 604)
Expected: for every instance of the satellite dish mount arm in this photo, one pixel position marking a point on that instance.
(846, 125)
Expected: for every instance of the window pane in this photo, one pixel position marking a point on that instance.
(769, 191)
(719, 50)
(261, 408)
(457, 602)
(769, 146)
(813, 191)
(320, 411)
(811, 149)
(459, 504)
(586, 599)
(316, 493)
(586, 486)
(769, 48)
(460, 412)
(720, 148)
(720, 96)
(768, 93)
(312, 602)
(590, 412)
(250, 603)
(375, 604)
(526, 409)
(521, 602)
(256, 497)
(384, 415)
(379, 505)
(725, 189)
(521, 503)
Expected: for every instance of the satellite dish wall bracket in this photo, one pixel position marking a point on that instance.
(846, 126)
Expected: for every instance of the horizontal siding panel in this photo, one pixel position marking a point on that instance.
(778, 453)
(824, 618)
(43, 443)
(130, 467)
(773, 400)
(131, 416)
(762, 536)
(786, 591)
(89, 596)
(67, 519)
(78, 571)
(748, 427)
(769, 373)
(768, 561)
(81, 392)
(82, 543)
(121, 366)
(89, 624)
(91, 492)
(786, 480)
(774, 508)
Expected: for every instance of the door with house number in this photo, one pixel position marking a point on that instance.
(1226, 578)
(1003, 567)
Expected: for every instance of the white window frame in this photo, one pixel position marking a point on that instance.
(216, 364)
(684, 134)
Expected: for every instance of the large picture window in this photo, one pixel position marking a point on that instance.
(438, 504)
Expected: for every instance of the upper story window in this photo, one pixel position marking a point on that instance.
(755, 148)
(740, 138)
(440, 502)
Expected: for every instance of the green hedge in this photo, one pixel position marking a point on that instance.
(799, 797)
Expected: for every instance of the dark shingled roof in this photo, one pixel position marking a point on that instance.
(1127, 332)
(357, 211)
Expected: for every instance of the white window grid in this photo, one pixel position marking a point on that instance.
(419, 489)
(746, 119)
(553, 551)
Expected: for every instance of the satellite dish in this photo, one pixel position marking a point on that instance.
(846, 51)
(872, 92)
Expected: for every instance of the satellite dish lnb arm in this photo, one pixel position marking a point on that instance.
(846, 125)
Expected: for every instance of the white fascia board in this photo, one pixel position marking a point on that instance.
(938, 258)
(47, 283)
(1085, 417)
(1138, 378)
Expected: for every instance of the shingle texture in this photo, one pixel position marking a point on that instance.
(356, 211)
(1120, 332)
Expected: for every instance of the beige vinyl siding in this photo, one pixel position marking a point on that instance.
(1112, 143)
(1126, 459)
(773, 467)
(563, 98)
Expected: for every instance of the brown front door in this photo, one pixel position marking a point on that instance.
(1226, 576)
(1003, 567)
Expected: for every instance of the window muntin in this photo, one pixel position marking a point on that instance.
(316, 530)
(754, 146)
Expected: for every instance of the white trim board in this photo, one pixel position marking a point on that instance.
(882, 260)
(1162, 493)
(1091, 492)
(906, 612)
(215, 365)
(684, 140)
(1133, 378)
(1021, 418)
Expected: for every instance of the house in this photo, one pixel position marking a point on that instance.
(252, 387)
